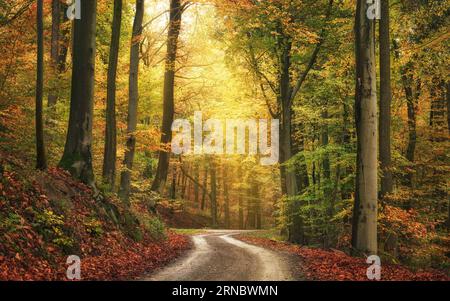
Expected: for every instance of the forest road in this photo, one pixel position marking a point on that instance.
(217, 256)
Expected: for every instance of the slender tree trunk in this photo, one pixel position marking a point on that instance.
(125, 180)
(205, 185)
(226, 199)
(77, 157)
(41, 156)
(447, 86)
(385, 101)
(329, 194)
(196, 188)
(364, 239)
(54, 54)
(110, 153)
(173, 189)
(240, 199)
(438, 108)
(176, 10)
(64, 39)
(411, 103)
(213, 195)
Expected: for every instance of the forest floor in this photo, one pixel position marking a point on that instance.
(334, 265)
(47, 216)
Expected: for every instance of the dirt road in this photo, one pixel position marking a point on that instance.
(217, 256)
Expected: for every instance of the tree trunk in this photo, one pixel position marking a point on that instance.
(173, 189)
(196, 188)
(438, 108)
(289, 181)
(41, 156)
(77, 157)
(240, 199)
(205, 185)
(125, 180)
(385, 101)
(64, 39)
(54, 53)
(364, 238)
(411, 103)
(447, 87)
(213, 195)
(176, 10)
(110, 153)
(226, 199)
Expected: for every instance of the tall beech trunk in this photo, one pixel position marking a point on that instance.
(133, 98)
(77, 157)
(110, 153)
(385, 101)
(41, 156)
(176, 10)
(364, 236)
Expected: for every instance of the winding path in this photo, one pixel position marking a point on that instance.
(217, 256)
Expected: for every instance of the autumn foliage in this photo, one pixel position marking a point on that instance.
(335, 265)
(48, 216)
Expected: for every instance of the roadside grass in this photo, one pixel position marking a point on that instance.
(272, 234)
(187, 231)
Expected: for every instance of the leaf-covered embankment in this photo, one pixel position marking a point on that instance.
(334, 265)
(47, 216)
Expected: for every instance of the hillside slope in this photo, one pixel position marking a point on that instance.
(47, 216)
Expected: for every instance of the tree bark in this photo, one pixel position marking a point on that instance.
(411, 103)
(226, 199)
(110, 153)
(54, 54)
(364, 236)
(125, 179)
(213, 195)
(205, 185)
(41, 156)
(240, 199)
(176, 10)
(196, 188)
(77, 157)
(385, 102)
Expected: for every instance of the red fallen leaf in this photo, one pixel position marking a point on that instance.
(18, 256)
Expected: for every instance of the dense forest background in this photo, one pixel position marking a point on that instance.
(110, 84)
